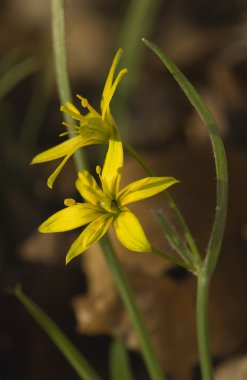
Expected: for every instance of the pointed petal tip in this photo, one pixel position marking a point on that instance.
(36, 160)
(50, 182)
(72, 255)
(45, 228)
(175, 180)
(42, 229)
(67, 259)
(118, 54)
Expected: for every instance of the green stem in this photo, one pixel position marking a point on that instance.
(207, 118)
(216, 237)
(171, 203)
(202, 325)
(128, 298)
(61, 69)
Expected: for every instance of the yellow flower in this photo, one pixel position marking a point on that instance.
(93, 127)
(106, 205)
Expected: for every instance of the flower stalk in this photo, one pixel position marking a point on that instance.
(128, 298)
(61, 67)
(202, 325)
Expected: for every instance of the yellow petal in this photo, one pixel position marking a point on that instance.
(92, 233)
(130, 232)
(70, 218)
(144, 188)
(110, 93)
(54, 175)
(59, 150)
(113, 166)
(84, 142)
(109, 80)
(89, 189)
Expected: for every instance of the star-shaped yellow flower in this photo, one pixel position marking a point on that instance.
(106, 205)
(93, 127)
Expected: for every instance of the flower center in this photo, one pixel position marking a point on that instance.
(114, 205)
(110, 205)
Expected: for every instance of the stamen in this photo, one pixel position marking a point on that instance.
(98, 169)
(69, 202)
(74, 115)
(68, 133)
(72, 126)
(72, 108)
(85, 104)
(84, 101)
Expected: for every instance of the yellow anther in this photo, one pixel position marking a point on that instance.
(69, 202)
(98, 169)
(84, 101)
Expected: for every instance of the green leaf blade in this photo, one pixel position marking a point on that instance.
(119, 362)
(175, 240)
(70, 352)
(215, 241)
(15, 74)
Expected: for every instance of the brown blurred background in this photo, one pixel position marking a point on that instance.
(208, 41)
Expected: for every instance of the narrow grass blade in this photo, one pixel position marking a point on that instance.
(119, 362)
(138, 21)
(74, 357)
(36, 109)
(215, 242)
(15, 74)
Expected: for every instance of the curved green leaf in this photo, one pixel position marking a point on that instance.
(70, 352)
(215, 241)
